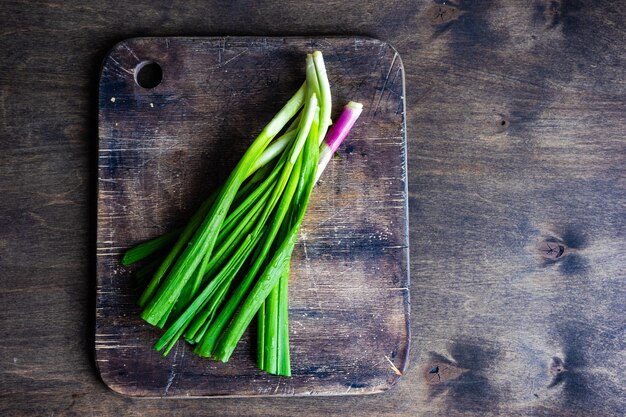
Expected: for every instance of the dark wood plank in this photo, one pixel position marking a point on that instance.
(163, 149)
(486, 308)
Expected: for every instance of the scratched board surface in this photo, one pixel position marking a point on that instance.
(163, 150)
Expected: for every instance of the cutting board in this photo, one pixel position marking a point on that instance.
(163, 149)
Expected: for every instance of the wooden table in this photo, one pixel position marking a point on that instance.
(516, 119)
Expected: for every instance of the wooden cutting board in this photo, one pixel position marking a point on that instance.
(163, 149)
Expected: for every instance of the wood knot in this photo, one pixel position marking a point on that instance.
(502, 123)
(440, 14)
(551, 249)
(437, 372)
(557, 366)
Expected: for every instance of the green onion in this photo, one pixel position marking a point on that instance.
(231, 262)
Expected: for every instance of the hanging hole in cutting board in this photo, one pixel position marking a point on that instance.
(148, 74)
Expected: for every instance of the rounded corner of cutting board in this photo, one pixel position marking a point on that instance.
(110, 382)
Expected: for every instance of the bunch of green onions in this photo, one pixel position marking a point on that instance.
(232, 260)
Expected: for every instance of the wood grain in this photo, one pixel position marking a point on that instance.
(162, 150)
(487, 307)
